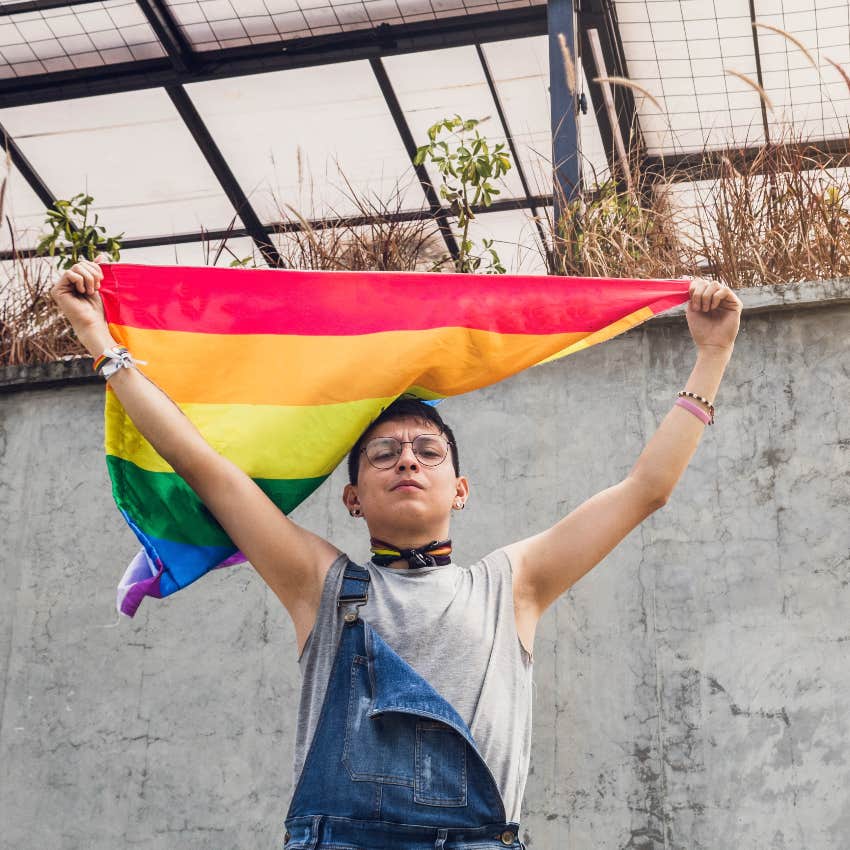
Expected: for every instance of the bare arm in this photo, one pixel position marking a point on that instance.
(292, 560)
(547, 564)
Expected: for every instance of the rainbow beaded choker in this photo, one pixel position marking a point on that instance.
(435, 553)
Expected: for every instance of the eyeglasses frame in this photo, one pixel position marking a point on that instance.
(403, 443)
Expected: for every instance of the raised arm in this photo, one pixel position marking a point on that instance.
(292, 560)
(548, 563)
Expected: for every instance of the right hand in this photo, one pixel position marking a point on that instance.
(76, 294)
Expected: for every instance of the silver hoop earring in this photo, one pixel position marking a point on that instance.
(355, 513)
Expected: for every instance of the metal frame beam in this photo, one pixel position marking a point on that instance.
(439, 212)
(565, 143)
(40, 6)
(503, 205)
(757, 51)
(384, 40)
(708, 165)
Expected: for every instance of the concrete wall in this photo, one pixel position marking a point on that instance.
(691, 690)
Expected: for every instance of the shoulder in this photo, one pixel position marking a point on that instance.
(493, 569)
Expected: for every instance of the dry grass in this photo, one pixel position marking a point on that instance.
(778, 216)
(386, 242)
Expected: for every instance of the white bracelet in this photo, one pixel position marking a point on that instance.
(118, 358)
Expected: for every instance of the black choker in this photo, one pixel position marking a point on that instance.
(435, 553)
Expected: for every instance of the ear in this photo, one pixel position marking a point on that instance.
(461, 489)
(349, 497)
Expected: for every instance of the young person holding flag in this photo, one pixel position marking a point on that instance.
(414, 722)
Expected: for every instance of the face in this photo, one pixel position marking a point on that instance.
(410, 501)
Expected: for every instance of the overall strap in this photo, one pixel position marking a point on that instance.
(354, 591)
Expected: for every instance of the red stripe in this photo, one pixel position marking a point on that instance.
(320, 303)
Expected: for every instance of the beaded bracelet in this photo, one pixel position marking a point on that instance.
(709, 418)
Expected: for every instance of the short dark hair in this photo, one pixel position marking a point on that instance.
(402, 408)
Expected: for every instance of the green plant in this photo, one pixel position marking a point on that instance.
(72, 237)
(466, 165)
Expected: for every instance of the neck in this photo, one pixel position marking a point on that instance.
(409, 538)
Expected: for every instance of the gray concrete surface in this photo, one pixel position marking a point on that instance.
(690, 692)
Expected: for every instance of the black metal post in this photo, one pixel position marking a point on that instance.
(565, 147)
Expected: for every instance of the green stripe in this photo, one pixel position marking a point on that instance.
(163, 505)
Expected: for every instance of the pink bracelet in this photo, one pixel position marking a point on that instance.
(697, 411)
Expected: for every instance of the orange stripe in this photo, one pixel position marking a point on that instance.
(296, 370)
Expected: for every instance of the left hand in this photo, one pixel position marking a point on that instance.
(713, 314)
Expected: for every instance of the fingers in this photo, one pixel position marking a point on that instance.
(85, 276)
(705, 295)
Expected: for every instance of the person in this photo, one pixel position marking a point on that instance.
(414, 718)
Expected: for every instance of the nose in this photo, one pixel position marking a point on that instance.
(407, 459)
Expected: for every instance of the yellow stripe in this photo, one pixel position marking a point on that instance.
(618, 327)
(318, 432)
(301, 370)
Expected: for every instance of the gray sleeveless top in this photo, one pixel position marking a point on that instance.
(455, 626)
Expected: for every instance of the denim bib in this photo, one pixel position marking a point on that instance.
(392, 765)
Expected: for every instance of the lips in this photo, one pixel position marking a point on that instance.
(407, 483)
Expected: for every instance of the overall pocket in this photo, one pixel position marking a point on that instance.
(376, 749)
(400, 748)
(440, 765)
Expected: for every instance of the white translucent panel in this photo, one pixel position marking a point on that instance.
(69, 37)
(515, 240)
(25, 211)
(195, 253)
(520, 69)
(295, 137)
(213, 24)
(131, 152)
(718, 38)
(809, 100)
(594, 159)
(682, 53)
(438, 84)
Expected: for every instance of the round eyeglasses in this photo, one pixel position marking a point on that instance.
(384, 452)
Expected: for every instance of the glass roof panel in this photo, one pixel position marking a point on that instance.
(814, 101)
(285, 149)
(594, 160)
(25, 211)
(213, 24)
(680, 51)
(439, 84)
(70, 37)
(515, 239)
(131, 152)
(194, 253)
(520, 69)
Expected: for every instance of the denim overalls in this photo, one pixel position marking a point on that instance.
(392, 765)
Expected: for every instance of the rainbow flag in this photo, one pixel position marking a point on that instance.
(282, 370)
